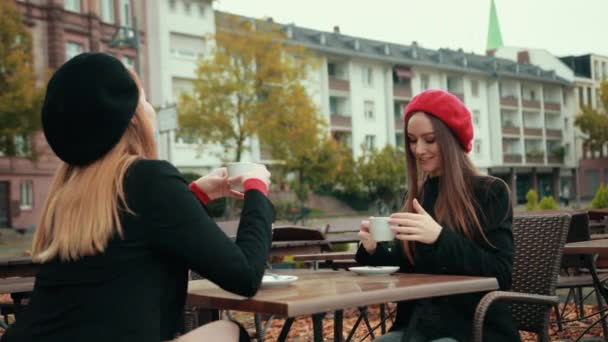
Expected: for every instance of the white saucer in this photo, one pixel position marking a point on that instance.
(374, 270)
(278, 280)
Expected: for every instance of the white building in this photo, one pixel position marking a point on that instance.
(179, 32)
(522, 113)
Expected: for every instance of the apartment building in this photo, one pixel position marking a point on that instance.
(589, 72)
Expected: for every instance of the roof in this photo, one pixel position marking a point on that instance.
(341, 45)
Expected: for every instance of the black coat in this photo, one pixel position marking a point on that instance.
(136, 289)
(452, 253)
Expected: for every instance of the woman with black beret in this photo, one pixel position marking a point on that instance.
(120, 229)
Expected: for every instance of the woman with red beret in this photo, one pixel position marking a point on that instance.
(454, 221)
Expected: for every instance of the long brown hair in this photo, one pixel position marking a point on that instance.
(82, 209)
(458, 210)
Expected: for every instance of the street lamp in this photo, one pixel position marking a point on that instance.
(129, 37)
(581, 136)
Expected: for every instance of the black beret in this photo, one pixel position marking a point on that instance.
(88, 105)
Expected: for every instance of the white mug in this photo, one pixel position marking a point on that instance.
(380, 230)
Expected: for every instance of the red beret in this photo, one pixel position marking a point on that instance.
(447, 108)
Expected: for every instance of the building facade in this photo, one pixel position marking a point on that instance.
(60, 29)
(523, 114)
(589, 72)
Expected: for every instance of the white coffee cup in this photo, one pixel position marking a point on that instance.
(239, 168)
(380, 230)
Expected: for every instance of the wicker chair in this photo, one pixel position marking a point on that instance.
(539, 241)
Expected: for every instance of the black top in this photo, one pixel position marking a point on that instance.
(452, 253)
(136, 289)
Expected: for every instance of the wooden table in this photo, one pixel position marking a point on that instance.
(599, 236)
(282, 248)
(597, 246)
(318, 292)
(18, 267)
(334, 259)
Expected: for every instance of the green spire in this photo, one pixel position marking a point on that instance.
(494, 35)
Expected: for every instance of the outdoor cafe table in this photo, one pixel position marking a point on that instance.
(599, 247)
(318, 292)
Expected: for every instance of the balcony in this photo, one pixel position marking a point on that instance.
(338, 84)
(555, 160)
(530, 103)
(553, 106)
(402, 91)
(510, 130)
(512, 158)
(535, 157)
(553, 133)
(509, 101)
(341, 123)
(533, 132)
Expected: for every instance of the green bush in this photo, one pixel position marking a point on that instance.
(532, 200)
(547, 203)
(600, 201)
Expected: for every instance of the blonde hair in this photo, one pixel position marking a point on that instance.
(82, 210)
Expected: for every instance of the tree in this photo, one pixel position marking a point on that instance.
(297, 137)
(383, 173)
(594, 123)
(250, 65)
(600, 200)
(20, 99)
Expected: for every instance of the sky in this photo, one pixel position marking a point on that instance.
(563, 27)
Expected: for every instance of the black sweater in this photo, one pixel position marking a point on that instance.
(136, 289)
(452, 253)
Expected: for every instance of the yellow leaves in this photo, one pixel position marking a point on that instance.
(250, 87)
(19, 97)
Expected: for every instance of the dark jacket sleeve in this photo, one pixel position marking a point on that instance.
(452, 253)
(177, 224)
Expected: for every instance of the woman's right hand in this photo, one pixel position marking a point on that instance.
(258, 171)
(366, 238)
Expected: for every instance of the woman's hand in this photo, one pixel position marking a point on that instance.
(419, 226)
(366, 238)
(217, 185)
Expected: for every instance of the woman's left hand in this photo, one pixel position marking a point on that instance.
(217, 185)
(418, 226)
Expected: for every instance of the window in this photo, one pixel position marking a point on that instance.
(400, 140)
(107, 11)
(589, 96)
(27, 194)
(23, 145)
(125, 13)
(201, 10)
(370, 142)
(72, 49)
(333, 106)
(477, 146)
(187, 7)
(369, 110)
(368, 76)
(172, 5)
(476, 117)
(475, 88)
(424, 82)
(72, 5)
